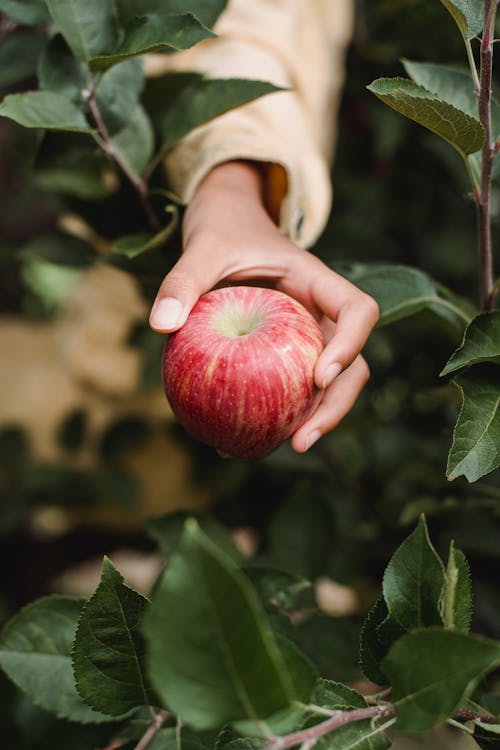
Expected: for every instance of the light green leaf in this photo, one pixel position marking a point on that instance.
(118, 93)
(431, 671)
(413, 581)
(201, 101)
(206, 11)
(155, 33)
(467, 14)
(360, 735)
(35, 652)
(167, 532)
(108, 651)
(475, 450)
(28, 12)
(212, 657)
(463, 132)
(18, 57)
(456, 601)
(450, 84)
(481, 343)
(135, 141)
(44, 109)
(89, 26)
(402, 291)
(60, 72)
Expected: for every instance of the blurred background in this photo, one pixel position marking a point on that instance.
(88, 446)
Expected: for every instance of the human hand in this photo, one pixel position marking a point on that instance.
(229, 236)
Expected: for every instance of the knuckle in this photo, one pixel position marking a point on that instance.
(371, 306)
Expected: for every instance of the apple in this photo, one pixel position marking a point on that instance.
(239, 373)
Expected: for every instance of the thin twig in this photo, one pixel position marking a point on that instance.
(338, 719)
(152, 730)
(105, 143)
(483, 200)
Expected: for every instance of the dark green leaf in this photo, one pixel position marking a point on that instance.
(71, 163)
(432, 671)
(402, 291)
(450, 84)
(456, 603)
(60, 249)
(463, 132)
(475, 450)
(18, 57)
(212, 658)
(44, 109)
(89, 26)
(481, 343)
(413, 581)
(35, 652)
(203, 100)
(29, 12)
(118, 92)
(60, 72)
(360, 735)
(167, 531)
(155, 33)
(486, 735)
(276, 586)
(171, 738)
(206, 11)
(331, 644)
(467, 14)
(371, 649)
(135, 142)
(108, 652)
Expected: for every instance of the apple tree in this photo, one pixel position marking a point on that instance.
(229, 651)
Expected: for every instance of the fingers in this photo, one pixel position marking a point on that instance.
(194, 274)
(338, 400)
(355, 314)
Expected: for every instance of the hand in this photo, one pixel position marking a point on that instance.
(229, 236)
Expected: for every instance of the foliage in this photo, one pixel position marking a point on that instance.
(228, 654)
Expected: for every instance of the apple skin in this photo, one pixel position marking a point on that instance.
(239, 373)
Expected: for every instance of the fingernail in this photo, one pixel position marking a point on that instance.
(312, 438)
(166, 313)
(331, 373)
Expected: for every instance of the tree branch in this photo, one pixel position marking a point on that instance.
(106, 144)
(483, 199)
(155, 725)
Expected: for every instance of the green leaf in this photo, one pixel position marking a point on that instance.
(371, 649)
(467, 14)
(212, 657)
(475, 450)
(463, 132)
(72, 164)
(108, 652)
(202, 100)
(89, 26)
(275, 586)
(155, 33)
(35, 652)
(28, 12)
(60, 72)
(450, 84)
(167, 532)
(360, 735)
(206, 11)
(18, 57)
(402, 291)
(481, 343)
(336, 696)
(118, 93)
(456, 602)
(135, 142)
(413, 581)
(59, 249)
(171, 738)
(44, 109)
(432, 671)
(487, 735)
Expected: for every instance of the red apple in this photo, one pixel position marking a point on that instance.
(239, 373)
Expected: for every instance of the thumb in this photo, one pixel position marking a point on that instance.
(192, 276)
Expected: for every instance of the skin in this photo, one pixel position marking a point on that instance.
(229, 236)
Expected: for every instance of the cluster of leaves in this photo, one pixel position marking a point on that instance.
(214, 654)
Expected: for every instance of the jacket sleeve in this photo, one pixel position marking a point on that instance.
(297, 45)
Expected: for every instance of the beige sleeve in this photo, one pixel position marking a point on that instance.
(297, 44)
